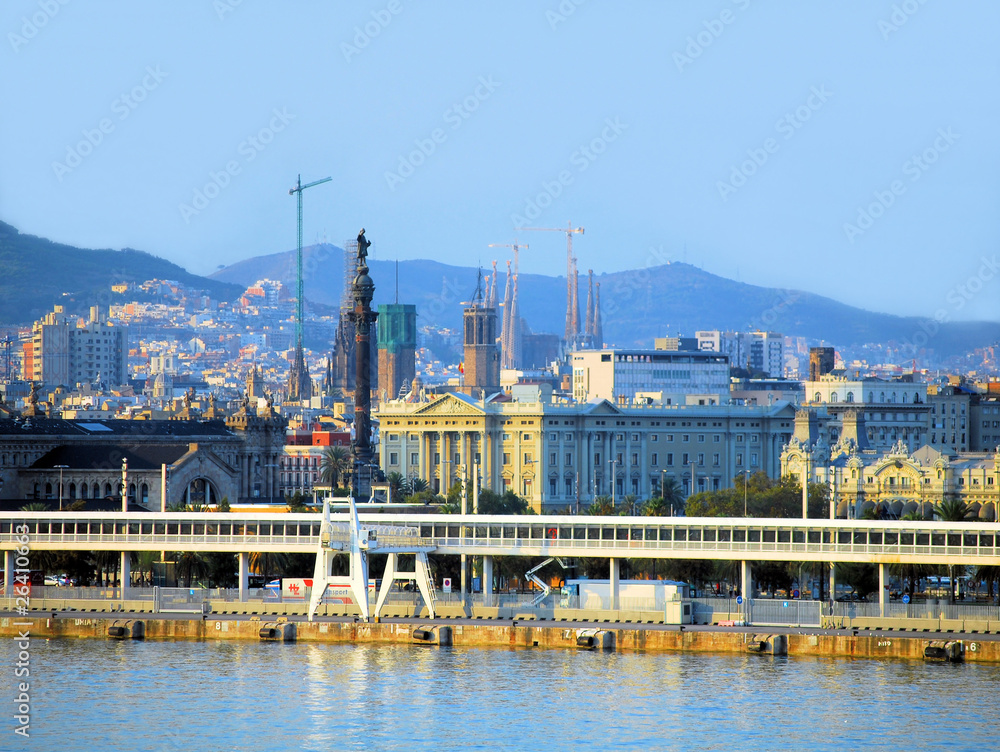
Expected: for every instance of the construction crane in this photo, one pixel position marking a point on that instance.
(572, 304)
(297, 192)
(515, 246)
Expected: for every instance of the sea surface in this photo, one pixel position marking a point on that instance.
(225, 695)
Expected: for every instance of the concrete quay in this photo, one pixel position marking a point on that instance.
(462, 630)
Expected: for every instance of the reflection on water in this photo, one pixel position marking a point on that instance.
(89, 694)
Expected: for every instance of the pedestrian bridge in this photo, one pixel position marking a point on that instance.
(738, 539)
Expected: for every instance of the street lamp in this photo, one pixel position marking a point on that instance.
(746, 477)
(60, 468)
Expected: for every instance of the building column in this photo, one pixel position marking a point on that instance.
(833, 584)
(746, 588)
(425, 453)
(8, 572)
(126, 573)
(488, 581)
(883, 589)
(615, 588)
(244, 576)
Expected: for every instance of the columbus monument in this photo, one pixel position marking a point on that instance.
(363, 318)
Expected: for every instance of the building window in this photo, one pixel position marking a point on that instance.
(597, 460)
(393, 458)
(552, 458)
(569, 458)
(552, 486)
(654, 459)
(506, 458)
(635, 459)
(414, 458)
(527, 458)
(569, 487)
(685, 459)
(715, 459)
(716, 439)
(670, 458)
(701, 458)
(739, 458)
(753, 459)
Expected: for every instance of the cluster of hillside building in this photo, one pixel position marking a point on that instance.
(215, 416)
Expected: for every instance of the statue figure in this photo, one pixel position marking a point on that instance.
(363, 244)
(33, 396)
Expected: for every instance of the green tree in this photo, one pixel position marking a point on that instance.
(35, 506)
(863, 578)
(334, 463)
(191, 565)
(415, 485)
(953, 510)
(223, 505)
(629, 506)
(396, 483)
(268, 563)
(600, 507)
(490, 502)
(673, 495)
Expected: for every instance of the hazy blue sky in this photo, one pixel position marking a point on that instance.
(740, 135)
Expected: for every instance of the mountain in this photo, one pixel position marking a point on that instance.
(36, 274)
(636, 305)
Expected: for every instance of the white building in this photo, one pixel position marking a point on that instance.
(87, 353)
(651, 376)
(760, 351)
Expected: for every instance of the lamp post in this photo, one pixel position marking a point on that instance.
(746, 477)
(61, 468)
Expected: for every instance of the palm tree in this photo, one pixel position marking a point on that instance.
(656, 507)
(415, 485)
(35, 506)
(268, 563)
(601, 507)
(191, 565)
(396, 483)
(672, 494)
(334, 462)
(952, 510)
(629, 506)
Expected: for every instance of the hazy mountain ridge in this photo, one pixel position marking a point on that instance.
(637, 305)
(36, 274)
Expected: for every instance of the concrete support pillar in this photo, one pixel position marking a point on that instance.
(244, 576)
(883, 589)
(8, 572)
(488, 581)
(126, 573)
(464, 567)
(746, 588)
(615, 588)
(833, 583)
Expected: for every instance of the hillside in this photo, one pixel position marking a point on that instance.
(36, 274)
(637, 305)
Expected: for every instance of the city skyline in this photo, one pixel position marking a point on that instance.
(649, 126)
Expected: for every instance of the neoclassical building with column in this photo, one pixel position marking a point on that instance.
(893, 482)
(560, 455)
(197, 459)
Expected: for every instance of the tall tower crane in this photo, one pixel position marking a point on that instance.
(297, 192)
(572, 303)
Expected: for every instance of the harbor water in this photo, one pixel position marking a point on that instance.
(216, 695)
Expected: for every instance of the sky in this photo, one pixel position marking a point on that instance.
(845, 149)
